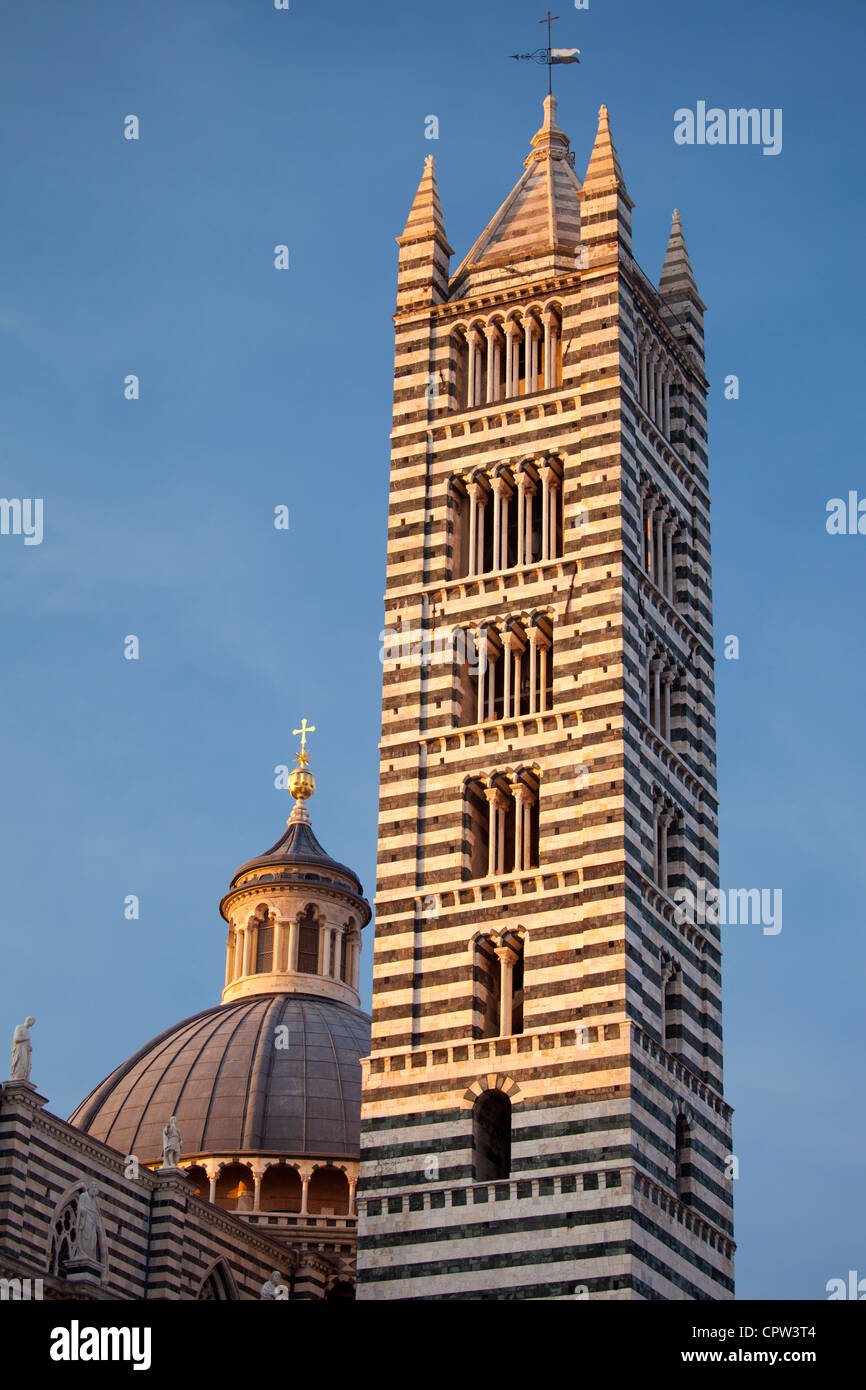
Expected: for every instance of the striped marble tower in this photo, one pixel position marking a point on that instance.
(543, 1113)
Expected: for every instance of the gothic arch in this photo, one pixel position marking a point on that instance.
(218, 1285)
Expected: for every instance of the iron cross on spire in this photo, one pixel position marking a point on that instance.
(303, 731)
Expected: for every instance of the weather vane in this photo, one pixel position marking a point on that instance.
(303, 731)
(550, 55)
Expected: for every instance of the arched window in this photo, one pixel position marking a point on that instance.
(264, 943)
(235, 1188)
(281, 1189)
(328, 1193)
(200, 1178)
(683, 1161)
(491, 1137)
(308, 942)
(218, 1286)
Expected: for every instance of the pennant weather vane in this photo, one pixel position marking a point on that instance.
(550, 55)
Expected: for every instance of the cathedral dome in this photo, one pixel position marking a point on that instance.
(237, 1085)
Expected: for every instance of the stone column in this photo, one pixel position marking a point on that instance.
(670, 527)
(533, 667)
(472, 359)
(545, 475)
(659, 518)
(549, 321)
(542, 677)
(643, 387)
(501, 807)
(482, 509)
(651, 384)
(483, 669)
(649, 533)
(249, 939)
(507, 959)
(230, 956)
(553, 503)
(473, 490)
(530, 333)
(521, 819)
(518, 661)
(492, 335)
(292, 959)
(666, 410)
(306, 1172)
(507, 647)
(522, 482)
(505, 497)
(492, 795)
(278, 946)
(667, 681)
(527, 829)
(212, 1170)
(664, 822)
(656, 716)
(512, 333)
(496, 492)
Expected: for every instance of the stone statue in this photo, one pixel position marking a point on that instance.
(273, 1287)
(87, 1226)
(171, 1144)
(21, 1051)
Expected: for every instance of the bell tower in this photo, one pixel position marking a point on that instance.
(542, 1112)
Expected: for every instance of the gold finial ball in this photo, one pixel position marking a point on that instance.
(302, 783)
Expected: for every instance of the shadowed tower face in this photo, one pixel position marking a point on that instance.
(543, 1113)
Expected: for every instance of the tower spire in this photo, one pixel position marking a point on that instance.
(682, 306)
(425, 255)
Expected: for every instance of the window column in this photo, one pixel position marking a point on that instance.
(533, 636)
(643, 354)
(292, 959)
(473, 364)
(667, 682)
(493, 796)
(492, 335)
(659, 517)
(670, 528)
(524, 518)
(545, 472)
(474, 490)
(550, 322)
(277, 960)
(492, 658)
(656, 668)
(498, 487)
(543, 647)
(507, 961)
(530, 332)
(512, 358)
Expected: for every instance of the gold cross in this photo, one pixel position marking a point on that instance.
(303, 731)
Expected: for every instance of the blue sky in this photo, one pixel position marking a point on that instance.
(262, 388)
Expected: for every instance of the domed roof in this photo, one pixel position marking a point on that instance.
(298, 847)
(234, 1088)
